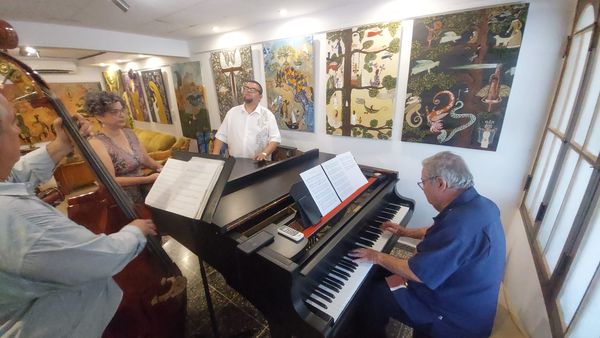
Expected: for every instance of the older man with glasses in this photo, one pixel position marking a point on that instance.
(449, 288)
(250, 130)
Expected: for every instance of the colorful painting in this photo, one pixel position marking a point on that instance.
(191, 99)
(114, 83)
(36, 123)
(231, 69)
(289, 82)
(135, 96)
(362, 68)
(461, 72)
(157, 96)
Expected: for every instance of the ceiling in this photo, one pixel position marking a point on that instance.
(175, 19)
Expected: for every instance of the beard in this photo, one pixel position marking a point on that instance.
(248, 100)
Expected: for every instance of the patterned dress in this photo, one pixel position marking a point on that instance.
(126, 163)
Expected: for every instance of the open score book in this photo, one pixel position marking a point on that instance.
(333, 181)
(184, 187)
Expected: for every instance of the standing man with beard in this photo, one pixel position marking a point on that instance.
(250, 130)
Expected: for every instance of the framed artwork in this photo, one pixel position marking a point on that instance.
(362, 68)
(231, 69)
(113, 83)
(191, 99)
(35, 124)
(135, 96)
(157, 96)
(461, 72)
(290, 82)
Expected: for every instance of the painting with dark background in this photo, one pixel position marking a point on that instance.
(157, 96)
(191, 99)
(231, 69)
(462, 67)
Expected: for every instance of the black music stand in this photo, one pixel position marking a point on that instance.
(207, 217)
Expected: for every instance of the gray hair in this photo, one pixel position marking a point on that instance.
(98, 103)
(451, 167)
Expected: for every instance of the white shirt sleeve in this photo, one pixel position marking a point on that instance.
(223, 130)
(33, 168)
(274, 134)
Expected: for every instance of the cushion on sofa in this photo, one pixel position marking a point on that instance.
(155, 141)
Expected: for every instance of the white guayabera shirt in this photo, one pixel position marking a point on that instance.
(247, 134)
(55, 275)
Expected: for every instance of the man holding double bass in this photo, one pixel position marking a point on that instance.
(55, 275)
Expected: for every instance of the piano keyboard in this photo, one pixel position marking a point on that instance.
(345, 277)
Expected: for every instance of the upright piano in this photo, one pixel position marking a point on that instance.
(306, 288)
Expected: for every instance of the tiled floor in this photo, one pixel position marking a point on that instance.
(236, 317)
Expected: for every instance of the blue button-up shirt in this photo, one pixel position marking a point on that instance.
(461, 263)
(55, 275)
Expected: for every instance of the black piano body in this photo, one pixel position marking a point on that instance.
(279, 278)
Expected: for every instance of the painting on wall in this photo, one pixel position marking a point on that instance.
(35, 124)
(191, 99)
(289, 82)
(113, 82)
(461, 72)
(157, 96)
(362, 68)
(135, 96)
(231, 69)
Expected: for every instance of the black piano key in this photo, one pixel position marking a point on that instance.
(368, 235)
(336, 281)
(347, 265)
(350, 261)
(330, 285)
(327, 293)
(317, 302)
(340, 275)
(341, 271)
(321, 294)
(363, 241)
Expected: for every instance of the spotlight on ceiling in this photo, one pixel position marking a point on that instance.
(122, 4)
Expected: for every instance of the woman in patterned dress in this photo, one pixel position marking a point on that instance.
(118, 147)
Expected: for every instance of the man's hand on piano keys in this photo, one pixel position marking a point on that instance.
(364, 255)
(392, 227)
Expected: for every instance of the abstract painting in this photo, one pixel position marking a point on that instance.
(289, 82)
(362, 68)
(135, 96)
(157, 96)
(231, 69)
(114, 83)
(191, 99)
(461, 70)
(36, 123)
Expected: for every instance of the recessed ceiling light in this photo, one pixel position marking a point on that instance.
(283, 12)
(102, 65)
(216, 29)
(143, 56)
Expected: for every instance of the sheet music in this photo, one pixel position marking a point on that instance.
(320, 189)
(184, 187)
(338, 178)
(355, 175)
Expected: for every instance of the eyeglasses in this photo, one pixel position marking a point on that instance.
(116, 111)
(250, 90)
(422, 182)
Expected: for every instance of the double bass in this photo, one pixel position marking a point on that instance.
(154, 290)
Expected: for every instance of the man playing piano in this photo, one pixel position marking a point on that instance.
(250, 130)
(449, 288)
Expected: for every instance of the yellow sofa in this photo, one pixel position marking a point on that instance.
(73, 172)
